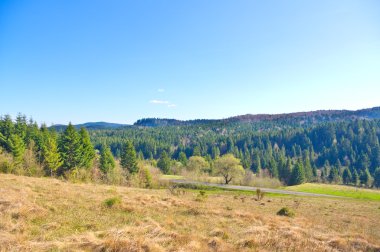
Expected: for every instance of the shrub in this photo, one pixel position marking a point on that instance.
(6, 167)
(201, 196)
(78, 175)
(251, 179)
(144, 177)
(259, 194)
(110, 202)
(286, 212)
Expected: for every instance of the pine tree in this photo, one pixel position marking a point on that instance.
(347, 177)
(17, 147)
(273, 169)
(3, 141)
(197, 151)
(355, 177)
(287, 171)
(182, 158)
(215, 152)
(88, 151)
(308, 169)
(256, 164)
(298, 174)
(52, 158)
(365, 178)
(334, 176)
(376, 176)
(128, 158)
(164, 163)
(7, 130)
(106, 162)
(21, 126)
(70, 148)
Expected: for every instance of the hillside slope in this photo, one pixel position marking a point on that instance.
(42, 214)
(297, 118)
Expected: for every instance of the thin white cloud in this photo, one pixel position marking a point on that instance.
(172, 105)
(160, 90)
(159, 102)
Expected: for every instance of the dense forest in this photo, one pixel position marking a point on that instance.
(332, 151)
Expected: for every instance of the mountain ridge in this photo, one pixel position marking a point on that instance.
(301, 118)
(316, 116)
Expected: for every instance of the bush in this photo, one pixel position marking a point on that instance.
(110, 202)
(286, 212)
(6, 163)
(116, 176)
(259, 194)
(201, 196)
(145, 177)
(78, 175)
(251, 179)
(151, 176)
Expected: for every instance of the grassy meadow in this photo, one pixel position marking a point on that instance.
(44, 214)
(337, 190)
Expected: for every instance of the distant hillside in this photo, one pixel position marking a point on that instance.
(157, 122)
(291, 119)
(298, 118)
(92, 126)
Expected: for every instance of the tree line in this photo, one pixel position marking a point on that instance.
(42, 151)
(337, 152)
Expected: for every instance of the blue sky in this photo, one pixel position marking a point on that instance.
(118, 61)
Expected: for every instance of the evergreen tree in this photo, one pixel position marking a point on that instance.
(7, 130)
(164, 163)
(308, 169)
(17, 147)
(287, 171)
(347, 177)
(88, 151)
(3, 141)
(215, 152)
(52, 158)
(355, 177)
(365, 178)
(182, 158)
(298, 174)
(70, 148)
(21, 126)
(376, 176)
(334, 176)
(106, 162)
(128, 158)
(197, 151)
(273, 169)
(256, 164)
(140, 155)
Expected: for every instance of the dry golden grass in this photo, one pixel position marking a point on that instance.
(42, 214)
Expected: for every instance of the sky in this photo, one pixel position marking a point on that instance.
(119, 60)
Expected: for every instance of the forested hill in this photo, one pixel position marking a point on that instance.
(263, 121)
(291, 119)
(91, 126)
(334, 146)
(331, 145)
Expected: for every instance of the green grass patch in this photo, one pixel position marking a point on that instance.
(337, 190)
(112, 202)
(217, 190)
(168, 177)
